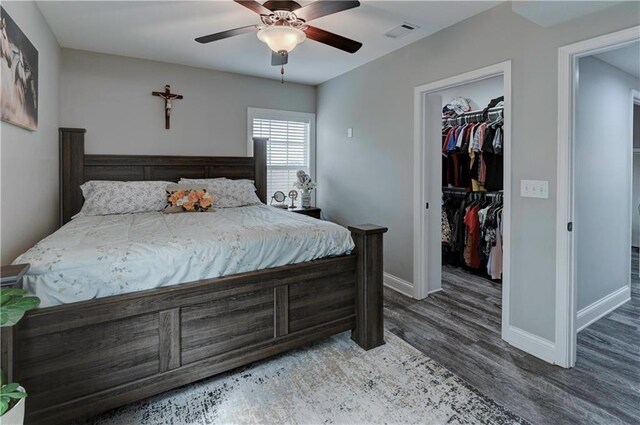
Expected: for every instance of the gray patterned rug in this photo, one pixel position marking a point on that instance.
(330, 382)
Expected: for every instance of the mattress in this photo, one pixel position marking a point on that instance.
(95, 257)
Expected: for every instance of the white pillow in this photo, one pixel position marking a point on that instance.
(228, 193)
(104, 197)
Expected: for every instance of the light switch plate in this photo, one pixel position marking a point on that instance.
(350, 132)
(534, 189)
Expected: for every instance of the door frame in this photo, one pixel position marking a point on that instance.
(635, 209)
(566, 293)
(427, 221)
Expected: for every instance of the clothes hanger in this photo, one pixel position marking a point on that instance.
(499, 119)
(488, 201)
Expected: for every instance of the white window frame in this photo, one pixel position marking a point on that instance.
(276, 114)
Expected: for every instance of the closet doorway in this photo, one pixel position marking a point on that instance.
(597, 79)
(635, 204)
(482, 86)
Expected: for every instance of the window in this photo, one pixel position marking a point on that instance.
(290, 147)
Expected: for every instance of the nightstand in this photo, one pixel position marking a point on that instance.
(12, 275)
(311, 212)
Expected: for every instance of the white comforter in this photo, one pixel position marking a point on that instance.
(94, 257)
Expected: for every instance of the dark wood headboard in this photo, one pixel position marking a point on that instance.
(77, 168)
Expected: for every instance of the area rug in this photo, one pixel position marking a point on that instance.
(330, 382)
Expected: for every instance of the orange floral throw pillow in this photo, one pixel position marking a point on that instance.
(182, 198)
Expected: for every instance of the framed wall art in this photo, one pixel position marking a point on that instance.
(18, 75)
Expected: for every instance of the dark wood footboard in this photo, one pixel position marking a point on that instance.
(84, 358)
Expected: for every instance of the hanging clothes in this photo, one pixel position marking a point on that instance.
(471, 254)
(472, 178)
(472, 152)
(446, 230)
(472, 231)
(494, 264)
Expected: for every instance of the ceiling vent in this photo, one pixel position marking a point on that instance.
(401, 30)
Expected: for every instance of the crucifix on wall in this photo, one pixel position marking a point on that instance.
(168, 97)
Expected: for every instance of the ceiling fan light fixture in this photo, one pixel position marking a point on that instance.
(281, 37)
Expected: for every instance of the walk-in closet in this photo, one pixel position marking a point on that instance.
(472, 186)
(473, 181)
(466, 180)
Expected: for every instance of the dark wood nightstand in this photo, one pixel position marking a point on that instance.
(311, 212)
(12, 275)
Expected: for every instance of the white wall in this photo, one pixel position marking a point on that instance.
(29, 160)
(369, 178)
(111, 97)
(602, 179)
(479, 92)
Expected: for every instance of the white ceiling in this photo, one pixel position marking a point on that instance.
(625, 58)
(549, 13)
(165, 31)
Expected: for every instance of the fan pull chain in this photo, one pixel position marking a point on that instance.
(281, 74)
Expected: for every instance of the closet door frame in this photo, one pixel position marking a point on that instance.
(428, 187)
(635, 209)
(566, 286)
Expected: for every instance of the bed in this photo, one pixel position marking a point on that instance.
(98, 256)
(101, 340)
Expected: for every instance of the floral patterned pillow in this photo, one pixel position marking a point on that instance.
(104, 197)
(187, 198)
(228, 193)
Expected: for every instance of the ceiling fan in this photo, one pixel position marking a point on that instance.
(284, 26)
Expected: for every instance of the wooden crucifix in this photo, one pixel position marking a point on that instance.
(168, 97)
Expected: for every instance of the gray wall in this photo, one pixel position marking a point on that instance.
(602, 179)
(369, 178)
(111, 97)
(29, 160)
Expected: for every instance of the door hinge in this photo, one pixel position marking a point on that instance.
(570, 226)
(427, 206)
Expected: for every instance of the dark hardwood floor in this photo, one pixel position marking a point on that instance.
(459, 327)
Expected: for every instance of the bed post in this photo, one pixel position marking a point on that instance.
(369, 330)
(71, 172)
(260, 157)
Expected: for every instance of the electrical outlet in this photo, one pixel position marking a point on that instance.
(534, 189)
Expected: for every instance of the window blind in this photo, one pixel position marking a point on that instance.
(287, 151)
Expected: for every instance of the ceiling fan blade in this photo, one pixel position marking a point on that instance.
(333, 40)
(225, 34)
(321, 8)
(254, 6)
(277, 59)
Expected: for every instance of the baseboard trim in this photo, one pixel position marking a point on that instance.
(533, 344)
(602, 307)
(398, 285)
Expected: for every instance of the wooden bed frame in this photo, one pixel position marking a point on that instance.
(84, 358)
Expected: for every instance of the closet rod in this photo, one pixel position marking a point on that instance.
(464, 192)
(473, 114)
